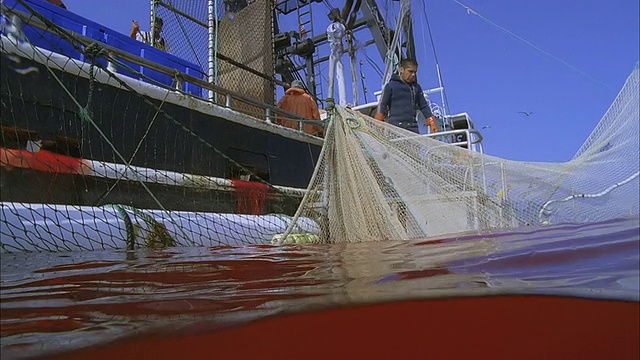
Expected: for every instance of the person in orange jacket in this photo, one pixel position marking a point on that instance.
(402, 98)
(58, 3)
(297, 101)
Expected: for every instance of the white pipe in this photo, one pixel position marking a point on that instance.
(354, 76)
(335, 33)
(47, 227)
(342, 88)
(114, 171)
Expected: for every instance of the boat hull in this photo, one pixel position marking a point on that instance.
(137, 127)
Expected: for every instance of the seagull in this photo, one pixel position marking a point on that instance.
(487, 127)
(525, 113)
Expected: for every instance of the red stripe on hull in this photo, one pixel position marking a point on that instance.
(42, 160)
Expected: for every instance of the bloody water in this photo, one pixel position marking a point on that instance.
(565, 291)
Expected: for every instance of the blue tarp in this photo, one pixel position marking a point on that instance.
(103, 34)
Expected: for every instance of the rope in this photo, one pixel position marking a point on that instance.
(84, 113)
(470, 11)
(435, 55)
(130, 239)
(135, 152)
(545, 212)
(325, 147)
(92, 52)
(157, 237)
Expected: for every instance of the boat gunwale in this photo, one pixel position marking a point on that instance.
(175, 96)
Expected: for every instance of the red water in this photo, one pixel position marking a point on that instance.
(557, 292)
(501, 327)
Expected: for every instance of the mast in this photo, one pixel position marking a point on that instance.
(407, 25)
(400, 39)
(335, 33)
(352, 61)
(391, 45)
(379, 30)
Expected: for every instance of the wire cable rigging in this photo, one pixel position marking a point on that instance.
(470, 11)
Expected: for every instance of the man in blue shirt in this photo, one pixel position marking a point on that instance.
(402, 98)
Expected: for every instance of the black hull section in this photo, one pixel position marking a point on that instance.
(176, 139)
(35, 106)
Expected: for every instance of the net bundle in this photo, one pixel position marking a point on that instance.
(375, 181)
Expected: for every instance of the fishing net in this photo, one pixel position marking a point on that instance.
(101, 151)
(240, 43)
(375, 181)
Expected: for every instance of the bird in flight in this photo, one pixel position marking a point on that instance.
(525, 113)
(487, 127)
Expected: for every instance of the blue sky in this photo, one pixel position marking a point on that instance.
(579, 55)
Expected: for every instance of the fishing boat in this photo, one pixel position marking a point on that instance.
(101, 118)
(263, 151)
(83, 128)
(185, 147)
(111, 144)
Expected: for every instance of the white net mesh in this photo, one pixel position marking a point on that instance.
(244, 36)
(375, 181)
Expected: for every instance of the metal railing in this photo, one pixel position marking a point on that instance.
(467, 132)
(270, 113)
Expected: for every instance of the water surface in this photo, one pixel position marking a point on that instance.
(52, 302)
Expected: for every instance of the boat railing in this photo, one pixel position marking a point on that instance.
(470, 140)
(217, 94)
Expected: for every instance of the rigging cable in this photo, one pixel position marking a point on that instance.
(470, 11)
(435, 56)
(184, 33)
(546, 212)
(346, 10)
(328, 5)
(364, 87)
(374, 65)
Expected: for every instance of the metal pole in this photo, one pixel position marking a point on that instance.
(332, 64)
(152, 33)
(211, 45)
(311, 75)
(268, 115)
(335, 33)
(354, 76)
(342, 88)
(441, 87)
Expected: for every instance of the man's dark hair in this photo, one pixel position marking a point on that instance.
(159, 21)
(408, 62)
